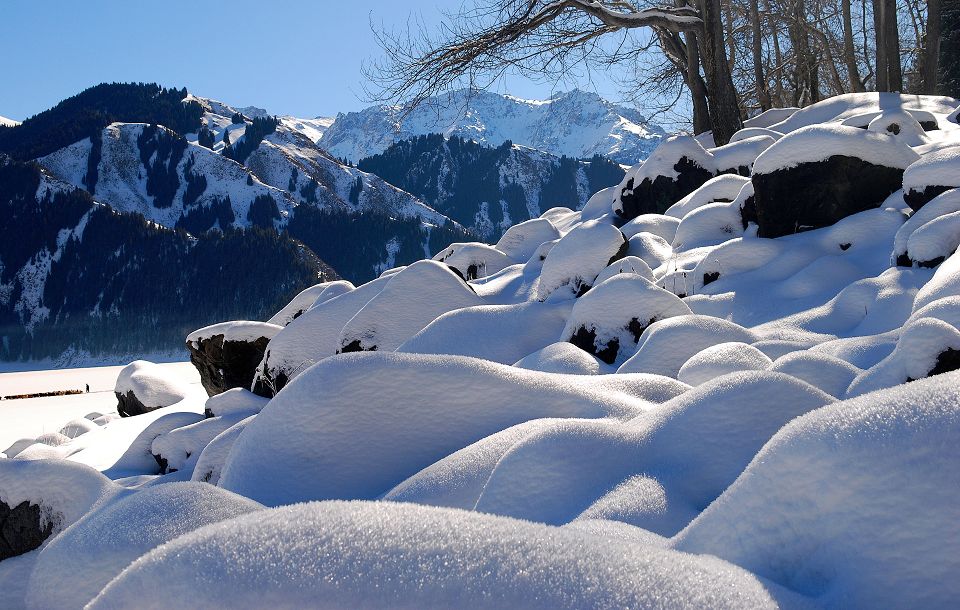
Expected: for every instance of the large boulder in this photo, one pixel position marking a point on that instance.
(677, 167)
(936, 173)
(227, 354)
(21, 529)
(143, 386)
(817, 175)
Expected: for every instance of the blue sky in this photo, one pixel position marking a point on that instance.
(290, 57)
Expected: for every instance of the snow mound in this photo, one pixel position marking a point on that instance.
(474, 260)
(609, 320)
(307, 298)
(944, 283)
(73, 568)
(313, 336)
(873, 535)
(561, 357)
(630, 265)
(932, 174)
(927, 346)
(667, 345)
(410, 301)
(664, 227)
(354, 426)
(234, 400)
(725, 187)
(943, 205)
(739, 155)
(902, 125)
(828, 373)
(820, 142)
(373, 555)
(753, 132)
(520, 241)
(209, 464)
(174, 449)
(150, 384)
(722, 359)
(709, 225)
(500, 333)
(651, 249)
(572, 266)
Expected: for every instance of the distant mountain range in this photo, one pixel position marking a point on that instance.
(169, 174)
(576, 124)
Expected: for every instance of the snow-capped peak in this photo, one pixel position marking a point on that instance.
(576, 124)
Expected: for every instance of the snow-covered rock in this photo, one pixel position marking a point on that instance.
(410, 301)
(227, 354)
(307, 298)
(609, 320)
(475, 260)
(520, 241)
(572, 266)
(677, 167)
(931, 175)
(819, 174)
(143, 386)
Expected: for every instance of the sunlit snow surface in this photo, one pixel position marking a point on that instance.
(775, 430)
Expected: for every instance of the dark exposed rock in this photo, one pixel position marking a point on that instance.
(904, 261)
(948, 360)
(129, 405)
(845, 247)
(918, 199)
(587, 340)
(354, 346)
(225, 364)
(21, 529)
(929, 125)
(658, 195)
(818, 194)
(748, 212)
(709, 278)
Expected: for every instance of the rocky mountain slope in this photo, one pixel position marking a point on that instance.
(76, 276)
(576, 124)
(488, 189)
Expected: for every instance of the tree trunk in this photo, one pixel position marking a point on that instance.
(931, 48)
(763, 97)
(777, 55)
(698, 89)
(892, 41)
(881, 47)
(948, 63)
(721, 94)
(849, 56)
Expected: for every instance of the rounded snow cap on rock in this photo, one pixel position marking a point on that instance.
(820, 142)
(150, 385)
(574, 263)
(932, 175)
(474, 260)
(664, 227)
(608, 321)
(628, 264)
(722, 359)
(237, 330)
(520, 241)
(561, 357)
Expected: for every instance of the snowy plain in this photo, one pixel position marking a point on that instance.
(663, 411)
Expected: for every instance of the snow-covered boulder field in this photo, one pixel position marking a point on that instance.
(732, 381)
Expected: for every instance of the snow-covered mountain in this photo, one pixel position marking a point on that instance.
(576, 124)
(74, 271)
(195, 163)
(489, 189)
(5, 122)
(730, 381)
